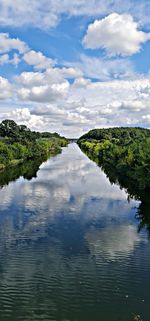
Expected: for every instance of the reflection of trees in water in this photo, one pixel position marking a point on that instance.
(135, 185)
(27, 170)
(143, 213)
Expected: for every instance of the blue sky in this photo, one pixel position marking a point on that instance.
(70, 67)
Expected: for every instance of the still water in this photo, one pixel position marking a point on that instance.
(70, 249)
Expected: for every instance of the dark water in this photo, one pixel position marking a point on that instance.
(70, 249)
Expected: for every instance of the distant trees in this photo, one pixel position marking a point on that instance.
(118, 135)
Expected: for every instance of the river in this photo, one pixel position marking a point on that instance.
(70, 249)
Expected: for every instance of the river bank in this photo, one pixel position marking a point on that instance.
(18, 144)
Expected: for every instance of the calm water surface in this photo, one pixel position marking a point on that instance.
(70, 248)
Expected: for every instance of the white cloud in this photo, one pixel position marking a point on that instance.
(146, 119)
(23, 116)
(38, 60)
(45, 93)
(134, 105)
(75, 109)
(69, 72)
(31, 57)
(105, 69)
(7, 44)
(29, 79)
(47, 13)
(36, 13)
(81, 82)
(50, 76)
(94, 105)
(15, 60)
(4, 59)
(5, 89)
(117, 34)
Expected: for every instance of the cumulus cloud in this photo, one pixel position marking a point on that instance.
(134, 105)
(117, 34)
(7, 44)
(69, 72)
(24, 116)
(29, 79)
(44, 93)
(46, 86)
(78, 107)
(38, 60)
(4, 59)
(49, 76)
(81, 82)
(75, 108)
(33, 58)
(15, 60)
(102, 100)
(76, 96)
(5, 88)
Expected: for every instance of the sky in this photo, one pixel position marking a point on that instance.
(71, 66)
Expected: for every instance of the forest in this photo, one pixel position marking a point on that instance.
(18, 144)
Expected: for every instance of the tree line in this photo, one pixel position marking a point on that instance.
(19, 143)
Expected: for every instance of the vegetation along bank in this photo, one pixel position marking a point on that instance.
(18, 144)
(123, 153)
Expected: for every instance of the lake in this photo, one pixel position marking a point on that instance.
(70, 245)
